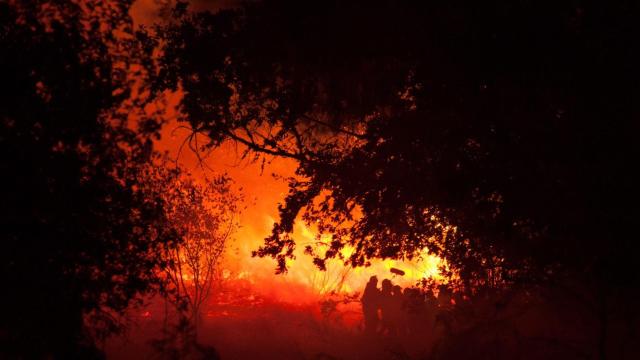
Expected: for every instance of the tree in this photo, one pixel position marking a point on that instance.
(500, 144)
(205, 217)
(80, 235)
(415, 131)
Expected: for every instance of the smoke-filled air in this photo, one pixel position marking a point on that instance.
(319, 180)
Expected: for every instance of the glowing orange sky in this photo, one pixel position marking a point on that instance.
(262, 193)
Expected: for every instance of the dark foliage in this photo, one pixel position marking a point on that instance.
(500, 135)
(512, 121)
(79, 235)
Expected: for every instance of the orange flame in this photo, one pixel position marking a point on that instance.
(262, 191)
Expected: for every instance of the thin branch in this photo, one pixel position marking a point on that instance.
(334, 128)
(258, 148)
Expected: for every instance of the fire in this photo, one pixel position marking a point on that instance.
(262, 192)
(339, 278)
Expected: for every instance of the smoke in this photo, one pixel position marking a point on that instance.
(241, 323)
(252, 312)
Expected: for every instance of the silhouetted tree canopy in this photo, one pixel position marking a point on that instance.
(205, 217)
(501, 135)
(79, 235)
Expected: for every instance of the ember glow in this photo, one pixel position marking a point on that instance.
(264, 188)
(263, 192)
(321, 180)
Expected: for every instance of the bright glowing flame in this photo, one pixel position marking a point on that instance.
(263, 192)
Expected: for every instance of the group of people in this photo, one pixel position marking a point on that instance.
(393, 311)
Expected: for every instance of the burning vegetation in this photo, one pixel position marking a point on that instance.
(319, 180)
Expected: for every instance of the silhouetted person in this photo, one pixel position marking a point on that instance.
(444, 297)
(431, 309)
(370, 305)
(415, 310)
(391, 308)
(386, 305)
(399, 315)
(444, 318)
(430, 299)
